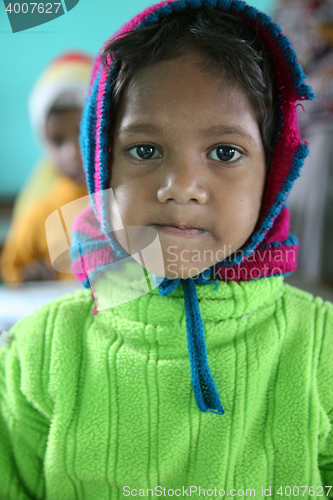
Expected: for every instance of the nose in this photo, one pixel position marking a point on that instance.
(183, 182)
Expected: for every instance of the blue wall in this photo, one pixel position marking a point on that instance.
(24, 56)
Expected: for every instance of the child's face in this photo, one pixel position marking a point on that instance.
(188, 161)
(62, 129)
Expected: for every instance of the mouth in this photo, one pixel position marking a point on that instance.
(182, 230)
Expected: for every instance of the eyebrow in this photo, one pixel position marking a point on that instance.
(216, 130)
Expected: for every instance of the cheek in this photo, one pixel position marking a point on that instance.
(125, 202)
(133, 193)
(252, 206)
(239, 207)
(127, 211)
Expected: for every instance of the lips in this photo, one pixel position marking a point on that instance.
(187, 230)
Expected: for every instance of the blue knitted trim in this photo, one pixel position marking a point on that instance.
(86, 283)
(104, 142)
(79, 237)
(204, 388)
(205, 278)
(167, 285)
(87, 245)
(118, 251)
(277, 275)
(297, 163)
(289, 242)
(87, 136)
(104, 138)
(81, 246)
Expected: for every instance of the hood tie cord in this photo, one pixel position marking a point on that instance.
(204, 388)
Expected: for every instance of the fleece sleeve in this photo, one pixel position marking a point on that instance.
(24, 413)
(325, 390)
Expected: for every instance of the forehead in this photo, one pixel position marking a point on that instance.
(182, 88)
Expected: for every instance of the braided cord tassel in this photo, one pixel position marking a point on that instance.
(205, 391)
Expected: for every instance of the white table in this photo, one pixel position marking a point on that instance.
(17, 301)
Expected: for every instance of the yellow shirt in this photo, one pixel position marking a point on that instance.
(26, 241)
(41, 180)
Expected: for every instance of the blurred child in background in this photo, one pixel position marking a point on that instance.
(55, 108)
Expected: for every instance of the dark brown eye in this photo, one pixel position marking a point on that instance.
(144, 152)
(225, 153)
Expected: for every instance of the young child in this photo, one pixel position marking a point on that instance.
(218, 381)
(55, 107)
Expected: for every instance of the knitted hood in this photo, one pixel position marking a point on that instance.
(63, 83)
(269, 251)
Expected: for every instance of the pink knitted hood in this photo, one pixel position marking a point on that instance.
(270, 250)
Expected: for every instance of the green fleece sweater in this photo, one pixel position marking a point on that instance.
(101, 406)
